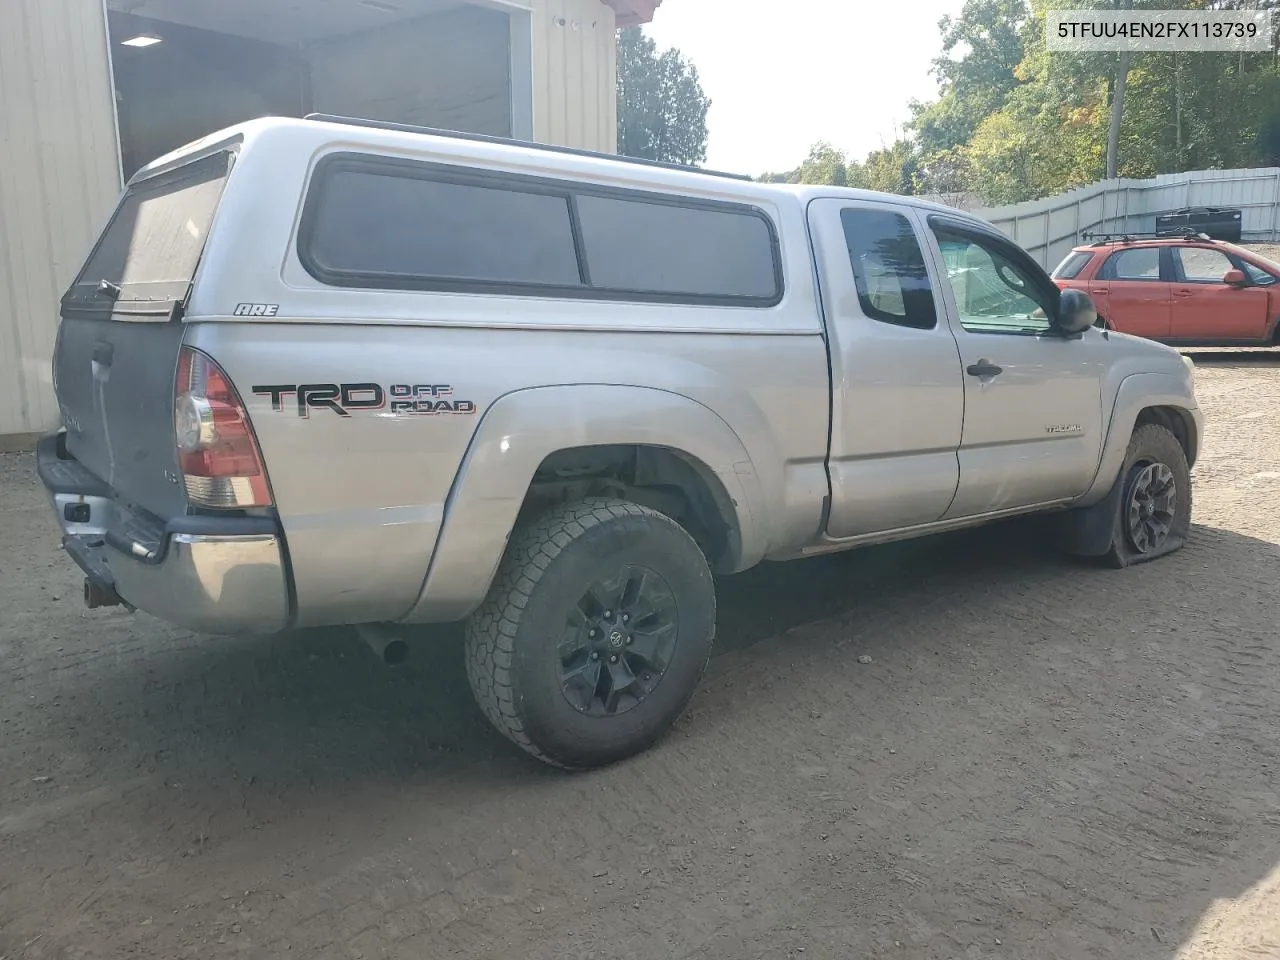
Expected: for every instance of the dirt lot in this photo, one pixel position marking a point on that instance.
(1040, 761)
(1270, 250)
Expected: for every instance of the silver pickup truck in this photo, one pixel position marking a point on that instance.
(328, 371)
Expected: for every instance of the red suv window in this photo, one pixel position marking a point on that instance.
(1139, 263)
(1201, 265)
(1070, 268)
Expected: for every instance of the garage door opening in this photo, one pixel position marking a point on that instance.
(184, 68)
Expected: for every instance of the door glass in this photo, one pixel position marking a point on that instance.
(1201, 265)
(1258, 276)
(888, 268)
(993, 295)
(1141, 263)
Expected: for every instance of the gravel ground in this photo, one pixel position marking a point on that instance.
(1040, 760)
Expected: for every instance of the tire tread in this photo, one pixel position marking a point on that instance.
(492, 629)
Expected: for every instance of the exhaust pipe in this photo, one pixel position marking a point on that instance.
(96, 595)
(388, 645)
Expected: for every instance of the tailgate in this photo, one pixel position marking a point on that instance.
(121, 332)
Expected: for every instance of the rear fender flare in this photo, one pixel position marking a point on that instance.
(523, 428)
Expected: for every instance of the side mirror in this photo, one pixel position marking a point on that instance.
(1235, 278)
(1076, 312)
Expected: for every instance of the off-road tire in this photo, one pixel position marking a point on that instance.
(511, 644)
(1151, 444)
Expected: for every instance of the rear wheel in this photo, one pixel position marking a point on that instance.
(595, 633)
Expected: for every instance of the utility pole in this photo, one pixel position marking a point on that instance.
(1117, 98)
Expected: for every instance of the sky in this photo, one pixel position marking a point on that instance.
(784, 74)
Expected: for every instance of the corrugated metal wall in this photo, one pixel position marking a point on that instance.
(59, 178)
(575, 74)
(1049, 228)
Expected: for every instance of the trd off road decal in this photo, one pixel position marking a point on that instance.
(402, 399)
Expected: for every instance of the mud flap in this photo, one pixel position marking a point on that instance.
(1092, 531)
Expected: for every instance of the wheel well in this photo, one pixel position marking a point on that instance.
(667, 480)
(1172, 419)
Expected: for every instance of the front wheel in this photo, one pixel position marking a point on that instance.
(595, 633)
(1146, 513)
(1154, 508)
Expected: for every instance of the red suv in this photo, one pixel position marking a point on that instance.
(1190, 291)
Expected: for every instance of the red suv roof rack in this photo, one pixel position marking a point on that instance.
(1101, 239)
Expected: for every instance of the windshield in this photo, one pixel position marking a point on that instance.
(1259, 276)
(152, 245)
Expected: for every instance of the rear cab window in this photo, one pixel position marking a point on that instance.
(888, 268)
(1071, 265)
(380, 223)
(148, 254)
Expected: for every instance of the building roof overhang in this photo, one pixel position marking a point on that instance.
(632, 13)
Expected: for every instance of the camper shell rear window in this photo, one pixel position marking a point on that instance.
(152, 245)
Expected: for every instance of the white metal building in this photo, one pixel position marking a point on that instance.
(91, 90)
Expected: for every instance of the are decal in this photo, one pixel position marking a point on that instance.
(256, 309)
(344, 399)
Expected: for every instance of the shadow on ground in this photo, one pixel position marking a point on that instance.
(320, 703)
(1031, 806)
(1249, 356)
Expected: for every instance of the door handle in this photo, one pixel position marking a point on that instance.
(984, 369)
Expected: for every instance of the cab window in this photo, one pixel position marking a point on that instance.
(888, 268)
(993, 294)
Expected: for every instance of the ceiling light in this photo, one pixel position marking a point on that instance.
(142, 40)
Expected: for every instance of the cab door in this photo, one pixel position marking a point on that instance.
(897, 392)
(1032, 429)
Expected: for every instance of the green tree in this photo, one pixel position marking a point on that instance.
(988, 34)
(662, 109)
(825, 164)
(1181, 111)
(1014, 122)
(892, 169)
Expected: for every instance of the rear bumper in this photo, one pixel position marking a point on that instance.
(209, 574)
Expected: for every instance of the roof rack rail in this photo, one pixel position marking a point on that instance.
(1099, 239)
(512, 142)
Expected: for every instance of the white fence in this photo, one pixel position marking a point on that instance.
(1049, 228)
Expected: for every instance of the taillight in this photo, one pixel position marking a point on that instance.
(219, 457)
